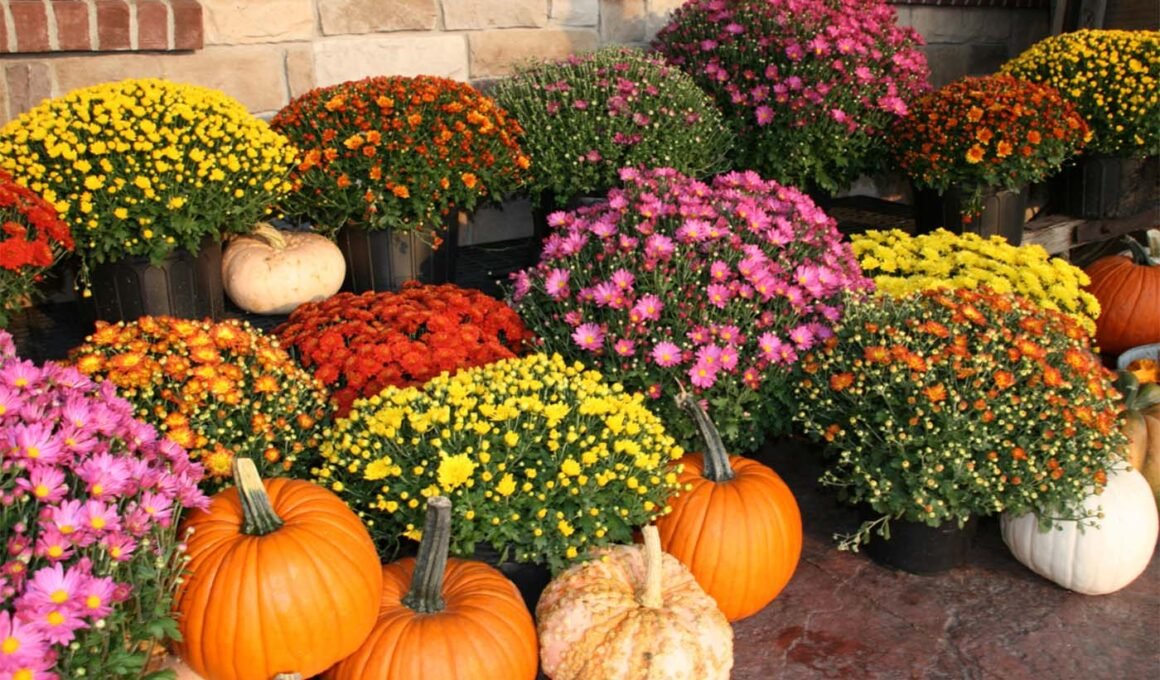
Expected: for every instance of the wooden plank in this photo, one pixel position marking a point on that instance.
(1056, 233)
(1102, 230)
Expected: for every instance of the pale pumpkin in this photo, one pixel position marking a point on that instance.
(282, 578)
(632, 612)
(1092, 560)
(272, 271)
(1142, 427)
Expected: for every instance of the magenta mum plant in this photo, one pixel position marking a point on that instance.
(718, 288)
(810, 86)
(89, 505)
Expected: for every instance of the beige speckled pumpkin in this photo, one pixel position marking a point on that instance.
(272, 271)
(632, 613)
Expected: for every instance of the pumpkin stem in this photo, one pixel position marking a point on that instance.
(288, 676)
(426, 593)
(717, 467)
(258, 516)
(1139, 252)
(272, 237)
(653, 566)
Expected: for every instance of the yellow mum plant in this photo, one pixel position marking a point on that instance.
(1112, 77)
(541, 458)
(901, 264)
(138, 168)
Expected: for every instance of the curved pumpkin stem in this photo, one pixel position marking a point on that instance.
(717, 467)
(1139, 252)
(272, 237)
(258, 516)
(288, 676)
(426, 593)
(654, 565)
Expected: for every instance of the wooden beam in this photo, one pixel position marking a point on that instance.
(1056, 233)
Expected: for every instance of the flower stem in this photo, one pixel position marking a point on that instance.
(426, 593)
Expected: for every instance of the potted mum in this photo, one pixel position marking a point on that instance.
(356, 345)
(720, 287)
(1110, 76)
(545, 460)
(587, 116)
(219, 390)
(971, 148)
(150, 175)
(901, 264)
(942, 406)
(810, 86)
(89, 526)
(32, 238)
(387, 166)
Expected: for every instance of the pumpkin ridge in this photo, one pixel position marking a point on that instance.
(206, 584)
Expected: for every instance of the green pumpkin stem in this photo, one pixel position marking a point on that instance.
(426, 593)
(1139, 251)
(653, 566)
(258, 516)
(717, 467)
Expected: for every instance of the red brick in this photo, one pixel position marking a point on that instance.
(3, 35)
(152, 25)
(113, 25)
(187, 22)
(72, 25)
(31, 25)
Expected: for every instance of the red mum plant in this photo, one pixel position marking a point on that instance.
(32, 236)
(359, 344)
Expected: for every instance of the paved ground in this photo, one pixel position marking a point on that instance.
(844, 616)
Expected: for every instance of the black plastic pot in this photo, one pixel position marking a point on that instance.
(1106, 186)
(1003, 213)
(382, 260)
(530, 578)
(183, 285)
(921, 549)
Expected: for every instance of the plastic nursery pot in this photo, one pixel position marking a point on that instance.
(530, 578)
(920, 549)
(182, 285)
(381, 260)
(1003, 213)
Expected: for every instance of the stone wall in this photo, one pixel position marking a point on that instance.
(265, 52)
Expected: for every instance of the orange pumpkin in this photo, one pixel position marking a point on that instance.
(632, 612)
(1142, 427)
(282, 579)
(737, 528)
(1128, 289)
(443, 618)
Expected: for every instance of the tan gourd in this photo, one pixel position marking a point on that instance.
(272, 271)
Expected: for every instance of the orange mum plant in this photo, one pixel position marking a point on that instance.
(219, 390)
(397, 152)
(994, 132)
(942, 405)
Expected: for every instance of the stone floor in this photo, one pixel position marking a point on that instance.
(844, 616)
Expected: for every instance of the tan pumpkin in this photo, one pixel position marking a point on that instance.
(272, 271)
(632, 612)
(1142, 427)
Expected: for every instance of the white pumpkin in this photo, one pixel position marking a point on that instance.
(1096, 560)
(272, 272)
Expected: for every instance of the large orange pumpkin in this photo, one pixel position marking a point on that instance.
(1128, 289)
(737, 528)
(445, 619)
(282, 579)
